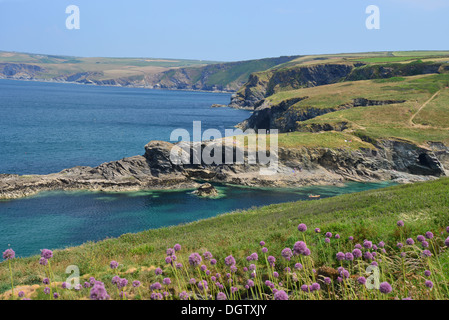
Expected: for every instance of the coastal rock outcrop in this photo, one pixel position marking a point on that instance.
(390, 160)
(206, 190)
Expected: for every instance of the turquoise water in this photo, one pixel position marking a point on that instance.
(59, 219)
(46, 127)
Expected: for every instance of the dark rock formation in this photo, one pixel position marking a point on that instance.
(286, 118)
(206, 190)
(391, 160)
(20, 70)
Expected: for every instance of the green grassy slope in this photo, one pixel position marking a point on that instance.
(367, 215)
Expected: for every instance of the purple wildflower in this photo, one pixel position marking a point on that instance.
(98, 292)
(195, 259)
(316, 286)
(429, 284)
(229, 260)
(136, 283)
(281, 295)
(429, 235)
(349, 256)
(207, 255)
(368, 255)
(202, 285)
(400, 223)
(287, 253)
(221, 296)
(385, 288)
(183, 296)
(155, 286)
(357, 253)
(9, 254)
(367, 244)
(114, 264)
(158, 271)
(340, 256)
(410, 241)
(302, 227)
(361, 280)
(115, 280)
(177, 247)
(47, 254)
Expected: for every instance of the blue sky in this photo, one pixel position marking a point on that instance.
(221, 30)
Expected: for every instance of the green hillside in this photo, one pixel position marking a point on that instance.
(368, 215)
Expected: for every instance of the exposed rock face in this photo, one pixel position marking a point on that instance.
(264, 84)
(391, 160)
(227, 77)
(206, 190)
(19, 70)
(286, 118)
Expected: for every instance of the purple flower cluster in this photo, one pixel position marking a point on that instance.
(46, 254)
(300, 247)
(98, 292)
(195, 259)
(9, 254)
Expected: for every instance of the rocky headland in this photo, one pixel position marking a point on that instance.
(391, 160)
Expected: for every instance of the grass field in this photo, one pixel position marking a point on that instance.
(421, 118)
(368, 215)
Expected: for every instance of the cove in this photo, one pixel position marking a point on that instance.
(58, 219)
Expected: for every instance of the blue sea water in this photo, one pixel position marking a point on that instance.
(46, 127)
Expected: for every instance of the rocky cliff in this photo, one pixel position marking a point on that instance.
(227, 77)
(283, 117)
(391, 160)
(263, 84)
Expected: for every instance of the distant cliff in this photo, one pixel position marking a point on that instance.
(263, 84)
(227, 77)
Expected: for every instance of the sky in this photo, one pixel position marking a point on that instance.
(221, 30)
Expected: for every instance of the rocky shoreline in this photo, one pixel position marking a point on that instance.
(391, 161)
